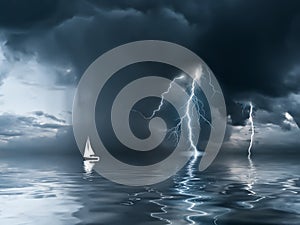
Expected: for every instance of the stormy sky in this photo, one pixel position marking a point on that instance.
(253, 48)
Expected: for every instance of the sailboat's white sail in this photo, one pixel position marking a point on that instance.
(88, 151)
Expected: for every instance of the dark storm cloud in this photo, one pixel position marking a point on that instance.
(239, 113)
(296, 115)
(77, 41)
(253, 47)
(247, 43)
(276, 107)
(249, 46)
(16, 14)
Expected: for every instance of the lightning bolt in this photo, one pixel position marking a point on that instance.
(251, 179)
(163, 96)
(187, 114)
(252, 130)
(192, 105)
(188, 111)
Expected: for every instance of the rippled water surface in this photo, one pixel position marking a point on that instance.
(53, 190)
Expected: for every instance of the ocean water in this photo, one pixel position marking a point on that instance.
(233, 191)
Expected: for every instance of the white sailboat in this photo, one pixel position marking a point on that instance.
(89, 154)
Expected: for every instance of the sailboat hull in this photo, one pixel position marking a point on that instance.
(92, 158)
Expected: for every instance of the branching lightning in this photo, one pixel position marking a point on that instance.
(163, 97)
(188, 107)
(192, 105)
(188, 114)
(211, 85)
(252, 130)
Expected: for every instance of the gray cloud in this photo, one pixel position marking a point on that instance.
(15, 126)
(54, 118)
(10, 134)
(26, 134)
(49, 125)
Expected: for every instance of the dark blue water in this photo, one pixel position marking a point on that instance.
(233, 191)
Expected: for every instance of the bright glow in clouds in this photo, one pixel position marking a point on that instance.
(29, 89)
(30, 86)
(288, 116)
(289, 120)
